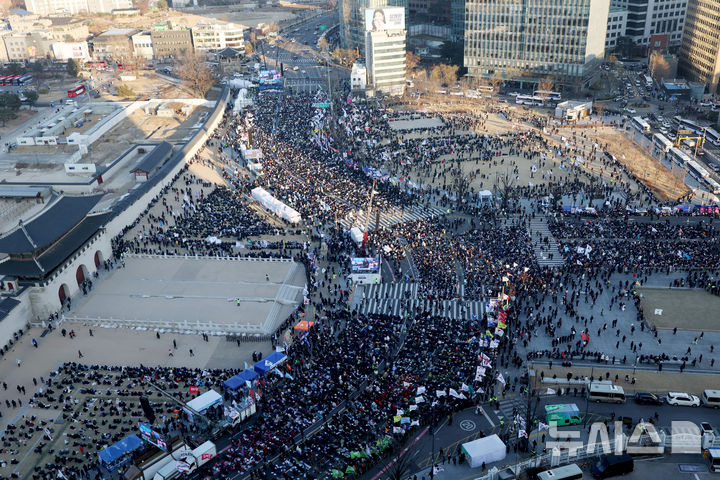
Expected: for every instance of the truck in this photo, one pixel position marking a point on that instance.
(186, 461)
(714, 456)
(562, 414)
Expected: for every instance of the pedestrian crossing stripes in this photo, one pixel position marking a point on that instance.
(506, 406)
(400, 299)
(547, 254)
(392, 216)
(289, 61)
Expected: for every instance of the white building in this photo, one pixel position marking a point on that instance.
(143, 45)
(385, 49)
(358, 76)
(647, 18)
(67, 50)
(216, 36)
(573, 110)
(617, 23)
(72, 7)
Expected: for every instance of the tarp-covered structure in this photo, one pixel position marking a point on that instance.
(485, 450)
(268, 363)
(275, 206)
(237, 382)
(114, 455)
(205, 401)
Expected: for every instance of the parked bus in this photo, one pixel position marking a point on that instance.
(485, 89)
(74, 92)
(2, 79)
(662, 143)
(689, 125)
(562, 414)
(696, 170)
(640, 124)
(96, 64)
(713, 186)
(606, 392)
(679, 157)
(547, 94)
(712, 136)
(568, 472)
(529, 100)
(25, 79)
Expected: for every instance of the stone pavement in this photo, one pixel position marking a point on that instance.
(110, 347)
(616, 342)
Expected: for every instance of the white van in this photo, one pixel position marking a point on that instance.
(711, 398)
(568, 472)
(606, 392)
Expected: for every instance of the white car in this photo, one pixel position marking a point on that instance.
(683, 399)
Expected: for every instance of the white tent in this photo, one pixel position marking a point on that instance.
(205, 401)
(275, 206)
(357, 235)
(488, 450)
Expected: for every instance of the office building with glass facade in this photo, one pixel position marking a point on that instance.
(528, 40)
(700, 49)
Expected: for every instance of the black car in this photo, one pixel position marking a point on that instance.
(647, 398)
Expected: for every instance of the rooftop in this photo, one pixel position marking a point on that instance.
(58, 218)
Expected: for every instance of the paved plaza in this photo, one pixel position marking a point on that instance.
(685, 309)
(188, 294)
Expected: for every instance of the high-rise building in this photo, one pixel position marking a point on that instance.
(352, 19)
(527, 40)
(617, 23)
(217, 36)
(385, 49)
(457, 20)
(700, 49)
(648, 18)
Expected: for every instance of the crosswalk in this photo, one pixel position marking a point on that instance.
(506, 406)
(401, 299)
(288, 60)
(547, 254)
(392, 216)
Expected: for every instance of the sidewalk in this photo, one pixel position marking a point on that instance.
(646, 381)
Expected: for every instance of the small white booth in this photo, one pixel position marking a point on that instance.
(484, 450)
(201, 403)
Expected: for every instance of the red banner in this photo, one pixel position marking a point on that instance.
(194, 390)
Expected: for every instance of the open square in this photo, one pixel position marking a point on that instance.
(684, 309)
(188, 294)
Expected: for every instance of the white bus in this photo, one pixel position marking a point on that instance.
(640, 124)
(713, 186)
(485, 89)
(547, 94)
(679, 157)
(696, 170)
(689, 125)
(712, 136)
(662, 143)
(606, 392)
(529, 100)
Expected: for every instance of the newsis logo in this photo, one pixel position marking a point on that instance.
(644, 440)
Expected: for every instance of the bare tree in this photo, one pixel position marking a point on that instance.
(460, 183)
(506, 184)
(193, 69)
(659, 66)
(546, 84)
(346, 56)
(323, 44)
(411, 61)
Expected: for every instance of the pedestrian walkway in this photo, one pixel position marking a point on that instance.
(507, 404)
(547, 253)
(392, 216)
(401, 298)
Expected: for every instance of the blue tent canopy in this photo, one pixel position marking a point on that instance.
(238, 381)
(120, 449)
(270, 362)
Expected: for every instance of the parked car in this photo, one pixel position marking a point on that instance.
(682, 399)
(647, 398)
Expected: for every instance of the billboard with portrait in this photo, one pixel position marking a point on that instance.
(151, 436)
(387, 18)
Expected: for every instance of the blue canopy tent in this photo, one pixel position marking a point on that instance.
(117, 454)
(268, 363)
(238, 381)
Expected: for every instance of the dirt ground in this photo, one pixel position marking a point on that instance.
(22, 116)
(690, 309)
(652, 173)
